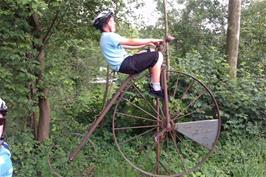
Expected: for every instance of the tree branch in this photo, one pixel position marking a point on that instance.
(49, 32)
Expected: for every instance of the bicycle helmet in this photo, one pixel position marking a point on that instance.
(3, 107)
(3, 110)
(102, 18)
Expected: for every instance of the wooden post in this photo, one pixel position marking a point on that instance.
(167, 60)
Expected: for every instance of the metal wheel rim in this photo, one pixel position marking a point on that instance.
(200, 162)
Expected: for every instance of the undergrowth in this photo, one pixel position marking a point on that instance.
(234, 156)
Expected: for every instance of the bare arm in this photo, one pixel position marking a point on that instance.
(137, 46)
(139, 42)
(133, 47)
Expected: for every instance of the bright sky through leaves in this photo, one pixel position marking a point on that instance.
(148, 14)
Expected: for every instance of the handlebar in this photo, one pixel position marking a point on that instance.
(161, 45)
(169, 38)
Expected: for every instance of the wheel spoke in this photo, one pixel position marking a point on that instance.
(139, 108)
(186, 91)
(185, 115)
(135, 117)
(158, 146)
(177, 150)
(194, 101)
(137, 136)
(135, 127)
(175, 87)
(149, 104)
(161, 110)
(166, 170)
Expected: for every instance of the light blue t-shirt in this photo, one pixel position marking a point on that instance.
(6, 168)
(112, 51)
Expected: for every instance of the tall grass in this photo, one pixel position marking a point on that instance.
(236, 157)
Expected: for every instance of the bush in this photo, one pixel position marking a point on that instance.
(238, 157)
(86, 106)
(241, 101)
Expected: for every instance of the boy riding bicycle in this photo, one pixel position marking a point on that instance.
(113, 49)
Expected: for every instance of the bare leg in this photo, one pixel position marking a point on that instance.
(156, 70)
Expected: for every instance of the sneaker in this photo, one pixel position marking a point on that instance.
(158, 94)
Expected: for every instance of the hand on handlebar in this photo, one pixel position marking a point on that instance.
(169, 38)
(160, 45)
(151, 44)
(159, 42)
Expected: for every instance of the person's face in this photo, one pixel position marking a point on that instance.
(2, 121)
(111, 24)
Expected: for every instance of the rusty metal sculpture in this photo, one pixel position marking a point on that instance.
(172, 136)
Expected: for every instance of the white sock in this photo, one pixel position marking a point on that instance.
(156, 86)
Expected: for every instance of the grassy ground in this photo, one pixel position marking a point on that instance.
(239, 157)
(233, 157)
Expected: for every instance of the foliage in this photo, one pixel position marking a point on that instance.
(16, 69)
(86, 106)
(234, 156)
(32, 159)
(253, 40)
(73, 60)
(198, 26)
(241, 101)
(237, 156)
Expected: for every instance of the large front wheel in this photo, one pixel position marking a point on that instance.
(143, 135)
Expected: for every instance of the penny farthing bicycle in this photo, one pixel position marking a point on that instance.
(171, 136)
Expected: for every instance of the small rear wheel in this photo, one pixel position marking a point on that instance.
(145, 140)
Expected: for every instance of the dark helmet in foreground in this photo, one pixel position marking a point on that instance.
(3, 110)
(102, 18)
(3, 107)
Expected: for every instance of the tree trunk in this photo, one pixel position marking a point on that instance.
(44, 120)
(43, 103)
(44, 107)
(233, 34)
(32, 92)
(32, 123)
